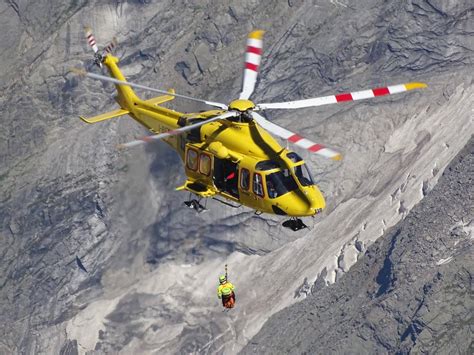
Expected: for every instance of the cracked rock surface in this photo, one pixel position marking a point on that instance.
(412, 291)
(67, 194)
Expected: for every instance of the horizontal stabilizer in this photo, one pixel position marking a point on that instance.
(161, 99)
(105, 116)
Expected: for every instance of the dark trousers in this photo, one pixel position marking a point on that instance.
(228, 301)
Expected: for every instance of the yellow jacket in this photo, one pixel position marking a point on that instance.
(225, 289)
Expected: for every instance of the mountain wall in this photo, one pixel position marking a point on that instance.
(152, 265)
(411, 292)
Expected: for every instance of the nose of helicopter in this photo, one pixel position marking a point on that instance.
(309, 203)
(317, 200)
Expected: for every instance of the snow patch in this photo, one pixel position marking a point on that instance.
(343, 261)
(444, 261)
(348, 257)
(85, 326)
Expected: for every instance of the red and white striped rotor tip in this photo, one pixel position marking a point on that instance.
(110, 47)
(253, 57)
(91, 39)
(295, 138)
(350, 96)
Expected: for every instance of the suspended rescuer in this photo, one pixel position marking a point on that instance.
(225, 291)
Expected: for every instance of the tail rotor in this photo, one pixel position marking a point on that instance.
(110, 47)
(93, 44)
(91, 39)
(99, 56)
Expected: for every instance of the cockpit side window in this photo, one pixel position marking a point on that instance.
(279, 183)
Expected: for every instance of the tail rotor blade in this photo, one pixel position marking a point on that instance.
(177, 131)
(351, 96)
(91, 39)
(110, 47)
(295, 138)
(253, 58)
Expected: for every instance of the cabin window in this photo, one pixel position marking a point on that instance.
(244, 179)
(192, 159)
(205, 164)
(258, 185)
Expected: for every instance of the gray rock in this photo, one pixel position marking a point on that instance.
(385, 304)
(65, 190)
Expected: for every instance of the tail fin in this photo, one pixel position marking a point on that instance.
(126, 96)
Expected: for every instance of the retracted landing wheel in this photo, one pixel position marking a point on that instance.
(295, 224)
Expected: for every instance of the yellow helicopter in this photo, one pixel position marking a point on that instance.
(228, 151)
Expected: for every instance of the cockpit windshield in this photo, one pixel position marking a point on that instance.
(295, 158)
(303, 175)
(301, 171)
(282, 181)
(266, 165)
(279, 183)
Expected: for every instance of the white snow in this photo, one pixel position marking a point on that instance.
(444, 261)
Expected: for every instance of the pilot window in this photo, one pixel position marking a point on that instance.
(258, 185)
(192, 159)
(301, 171)
(279, 183)
(303, 175)
(244, 179)
(295, 158)
(204, 164)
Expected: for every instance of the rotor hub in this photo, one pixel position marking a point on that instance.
(241, 105)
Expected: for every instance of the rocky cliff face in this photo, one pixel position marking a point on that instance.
(412, 291)
(65, 191)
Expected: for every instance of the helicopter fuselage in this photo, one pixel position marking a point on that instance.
(236, 159)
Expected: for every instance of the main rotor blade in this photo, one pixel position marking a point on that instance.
(295, 138)
(138, 86)
(177, 131)
(351, 96)
(253, 57)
